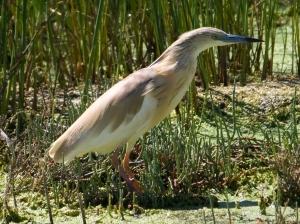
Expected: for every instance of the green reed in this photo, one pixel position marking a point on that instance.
(5, 81)
(296, 36)
(269, 11)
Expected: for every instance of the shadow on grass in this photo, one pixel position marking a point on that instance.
(232, 204)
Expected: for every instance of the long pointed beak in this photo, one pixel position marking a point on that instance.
(239, 39)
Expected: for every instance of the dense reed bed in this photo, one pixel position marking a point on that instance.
(57, 45)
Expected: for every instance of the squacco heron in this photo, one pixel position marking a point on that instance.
(139, 102)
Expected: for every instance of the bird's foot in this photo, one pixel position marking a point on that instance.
(134, 185)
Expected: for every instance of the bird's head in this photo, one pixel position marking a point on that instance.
(188, 46)
(206, 37)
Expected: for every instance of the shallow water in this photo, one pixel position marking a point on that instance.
(226, 212)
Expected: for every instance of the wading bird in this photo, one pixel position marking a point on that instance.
(139, 102)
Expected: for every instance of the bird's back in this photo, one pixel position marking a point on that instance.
(121, 114)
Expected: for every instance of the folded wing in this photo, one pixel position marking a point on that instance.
(121, 114)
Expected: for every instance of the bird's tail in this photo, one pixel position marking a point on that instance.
(56, 150)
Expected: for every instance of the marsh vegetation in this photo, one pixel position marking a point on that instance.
(233, 138)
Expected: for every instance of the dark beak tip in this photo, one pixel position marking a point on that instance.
(259, 40)
(254, 40)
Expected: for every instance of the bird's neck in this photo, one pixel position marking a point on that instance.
(178, 58)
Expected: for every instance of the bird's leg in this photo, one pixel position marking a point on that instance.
(133, 182)
(125, 171)
(125, 164)
(114, 159)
